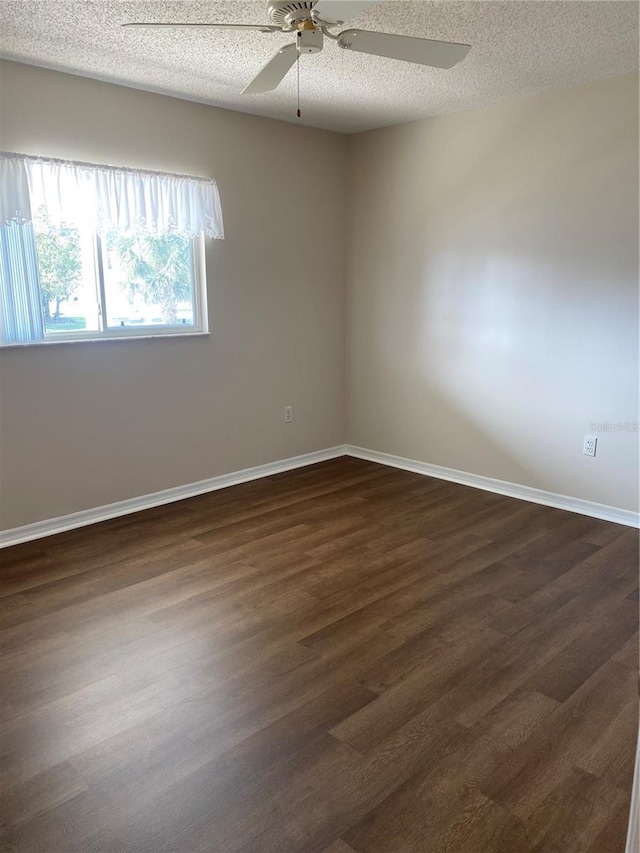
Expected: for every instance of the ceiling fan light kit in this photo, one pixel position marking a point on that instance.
(311, 20)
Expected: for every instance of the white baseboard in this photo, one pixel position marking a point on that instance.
(501, 487)
(633, 834)
(48, 527)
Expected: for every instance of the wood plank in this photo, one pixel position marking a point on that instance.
(345, 658)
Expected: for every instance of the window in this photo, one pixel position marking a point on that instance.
(88, 285)
(89, 253)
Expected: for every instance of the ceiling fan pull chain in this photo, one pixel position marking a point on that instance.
(298, 113)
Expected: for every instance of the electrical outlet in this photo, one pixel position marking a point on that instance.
(589, 446)
(288, 414)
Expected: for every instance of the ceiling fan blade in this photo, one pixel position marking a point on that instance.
(339, 11)
(439, 54)
(263, 28)
(274, 71)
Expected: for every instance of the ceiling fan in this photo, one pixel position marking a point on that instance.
(311, 20)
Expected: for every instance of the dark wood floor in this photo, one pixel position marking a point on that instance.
(342, 658)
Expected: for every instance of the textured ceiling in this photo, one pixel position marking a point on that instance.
(519, 48)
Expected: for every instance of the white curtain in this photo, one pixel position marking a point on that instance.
(105, 197)
(15, 205)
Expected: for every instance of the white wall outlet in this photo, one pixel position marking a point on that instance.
(589, 446)
(288, 414)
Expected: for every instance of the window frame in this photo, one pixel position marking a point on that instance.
(199, 327)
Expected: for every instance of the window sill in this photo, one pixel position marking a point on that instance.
(106, 339)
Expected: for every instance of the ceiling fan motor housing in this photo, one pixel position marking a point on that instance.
(287, 13)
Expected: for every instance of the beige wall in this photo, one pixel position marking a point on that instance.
(492, 261)
(82, 425)
(493, 290)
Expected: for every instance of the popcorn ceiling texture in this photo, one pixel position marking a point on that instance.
(519, 48)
